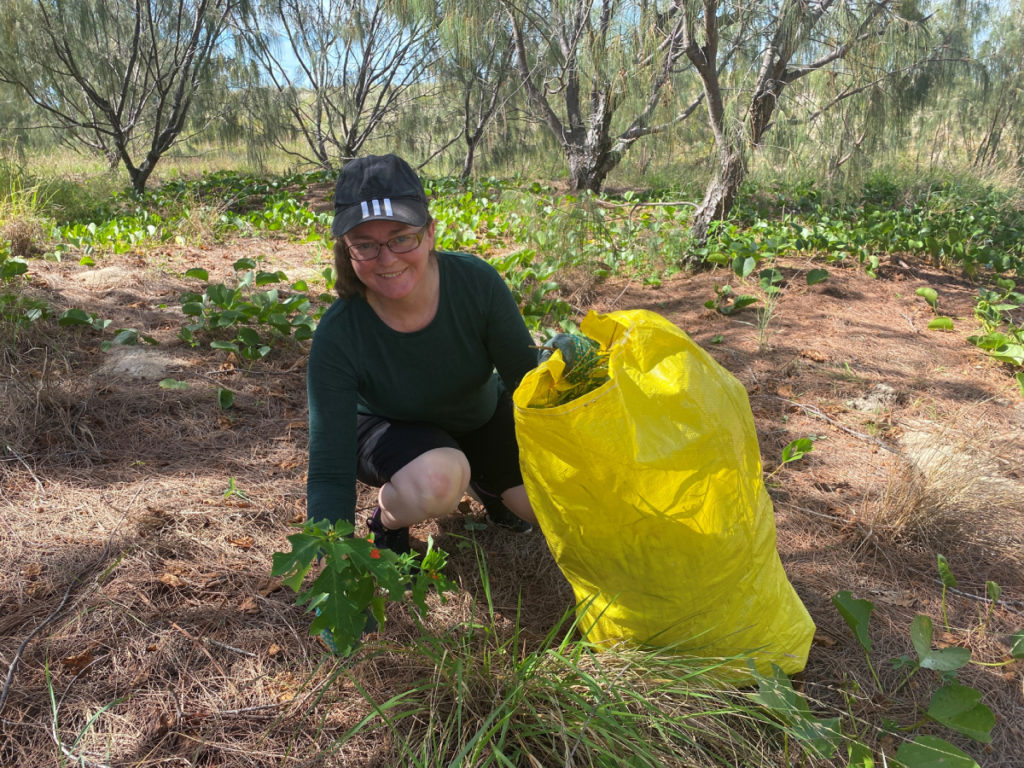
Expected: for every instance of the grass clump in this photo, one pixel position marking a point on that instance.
(487, 693)
(940, 491)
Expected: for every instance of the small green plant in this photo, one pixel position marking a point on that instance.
(930, 295)
(122, 336)
(953, 705)
(727, 302)
(75, 316)
(242, 320)
(533, 283)
(794, 451)
(357, 579)
(225, 398)
(10, 267)
(234, 490)
(815, 276)
(1003, 337)
(21, 311)
(939, 322)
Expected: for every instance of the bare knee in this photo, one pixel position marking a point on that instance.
(430, 485)
(440, 479)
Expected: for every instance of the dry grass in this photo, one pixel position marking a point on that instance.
(26, 236)
(944, 491)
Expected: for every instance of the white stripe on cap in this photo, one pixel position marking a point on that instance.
(377, 205)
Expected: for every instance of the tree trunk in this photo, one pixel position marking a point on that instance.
(590, 165)
(467, 163)
(721, 193)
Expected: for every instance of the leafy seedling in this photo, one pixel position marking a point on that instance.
(938, 659)
(234, 490)
(930, 295)
(959, 708)
(11, 268)
(128, 337)
(357, 580)
(795, 451)
(771, 281)
(225, 398)
(77, 316)
(727, 302)
(857, 615)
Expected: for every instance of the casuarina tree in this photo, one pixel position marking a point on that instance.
(112, 76)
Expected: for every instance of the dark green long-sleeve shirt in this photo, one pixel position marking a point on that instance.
(441, 374)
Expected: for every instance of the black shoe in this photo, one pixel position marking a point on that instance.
(498, 513)
(397, 540)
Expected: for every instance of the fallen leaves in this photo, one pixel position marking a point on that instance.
(77, 664)
(249, 606)
(172, 580)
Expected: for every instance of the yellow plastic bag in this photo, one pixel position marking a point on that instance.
(649, 492)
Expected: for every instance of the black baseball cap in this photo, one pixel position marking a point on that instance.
(377, 187)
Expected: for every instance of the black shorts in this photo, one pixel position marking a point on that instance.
(385, 446)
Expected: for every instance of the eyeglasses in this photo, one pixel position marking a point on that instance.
(370, 249)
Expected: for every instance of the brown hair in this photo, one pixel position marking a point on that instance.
(346, 283)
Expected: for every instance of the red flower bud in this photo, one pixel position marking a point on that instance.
(375, 554)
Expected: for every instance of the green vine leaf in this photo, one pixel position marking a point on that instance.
(959, 707)
(816, 276)
(225, 398)
(797, 449)
(929, 295)
(938, 659)
(857, 614)
(933, 752)
(1017, 648)
(859, 755)
(941, 323)
(820, 737)
(945, 573)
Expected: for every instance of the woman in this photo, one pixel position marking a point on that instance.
(401, 383)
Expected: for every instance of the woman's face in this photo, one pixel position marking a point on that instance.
(391, 276)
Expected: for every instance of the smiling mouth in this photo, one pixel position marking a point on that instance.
(390, 275)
